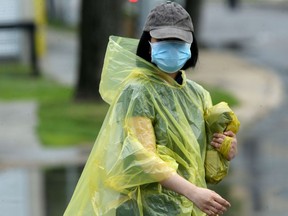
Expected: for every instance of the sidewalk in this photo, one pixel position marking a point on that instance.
(20, 146)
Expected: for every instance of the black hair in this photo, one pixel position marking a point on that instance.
(143, 50)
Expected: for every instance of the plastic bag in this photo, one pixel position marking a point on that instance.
(219, 118)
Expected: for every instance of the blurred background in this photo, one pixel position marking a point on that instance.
(51, 56)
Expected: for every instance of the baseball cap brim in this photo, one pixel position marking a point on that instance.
(170, 32)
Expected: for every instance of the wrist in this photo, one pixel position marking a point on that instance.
(191, 192)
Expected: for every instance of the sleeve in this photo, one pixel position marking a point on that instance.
(135, 100)
(138, 162)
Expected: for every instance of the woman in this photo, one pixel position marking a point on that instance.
(149, 156)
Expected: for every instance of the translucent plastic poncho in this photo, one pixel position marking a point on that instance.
(154, 128)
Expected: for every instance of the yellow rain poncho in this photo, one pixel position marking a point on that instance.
(154, 128)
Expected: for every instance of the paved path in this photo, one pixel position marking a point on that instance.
(19, 143)
(22, 158)
(17, 125)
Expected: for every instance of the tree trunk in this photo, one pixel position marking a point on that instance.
(194, 8)
(233, 4)
(98, 20)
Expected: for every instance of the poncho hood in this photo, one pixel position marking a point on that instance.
(121, 62)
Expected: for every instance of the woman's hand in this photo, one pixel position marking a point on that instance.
(208, 201)
(218, 139)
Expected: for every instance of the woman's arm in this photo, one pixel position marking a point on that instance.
(206, 200)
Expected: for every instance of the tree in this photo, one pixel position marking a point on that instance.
(233, 4)
(194, 8)
(98, 20)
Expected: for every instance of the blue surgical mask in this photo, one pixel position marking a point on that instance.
(170, 56)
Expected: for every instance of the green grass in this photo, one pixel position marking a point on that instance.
(16, 83)
(218, 95)
(70, 123)
(62, 121)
